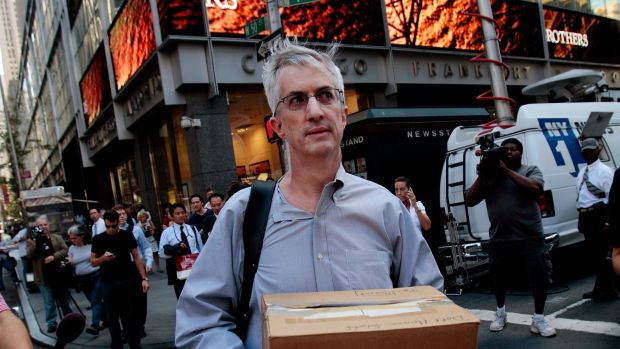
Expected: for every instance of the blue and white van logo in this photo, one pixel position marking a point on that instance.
(563, 143)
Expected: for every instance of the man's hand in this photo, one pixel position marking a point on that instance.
(48, 259)
(411, 196)
(145, 286)
(148, 269)
(182, 246)
(108, 256)
(502, 165)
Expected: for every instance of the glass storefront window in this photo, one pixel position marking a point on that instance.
(169, 160)
(254, 155)
(125, 181)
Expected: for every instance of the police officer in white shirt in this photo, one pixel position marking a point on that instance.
(593, 185)
(177, 240)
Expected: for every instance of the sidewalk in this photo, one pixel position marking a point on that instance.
(160, 321)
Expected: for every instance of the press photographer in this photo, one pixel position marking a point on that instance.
(47, 251)
(516, 233)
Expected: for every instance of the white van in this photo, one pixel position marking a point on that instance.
(549, 133)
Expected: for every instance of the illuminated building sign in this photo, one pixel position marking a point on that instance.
(582, 37)
(132, 39)
(568, 38)
(222, 4)
(181, 17)
(441, 24)
(95, 88)
(349, 22)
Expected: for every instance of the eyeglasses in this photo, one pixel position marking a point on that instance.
(299, 100)
(111, 226)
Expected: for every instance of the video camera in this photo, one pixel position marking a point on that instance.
(491, 153)
(36, 231)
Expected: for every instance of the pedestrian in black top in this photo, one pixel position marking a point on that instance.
(112, 251)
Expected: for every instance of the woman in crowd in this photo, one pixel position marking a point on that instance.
(88, 277)
(167, 217)
(145, 222)
(402, 189)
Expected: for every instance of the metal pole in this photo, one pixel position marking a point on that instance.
(10, 132)
(273, 11)
(491, 46)
(275, 23)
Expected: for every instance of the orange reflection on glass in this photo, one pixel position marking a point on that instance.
(95, 88)
(132, 39)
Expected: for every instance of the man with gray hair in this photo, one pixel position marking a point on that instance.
(47, 250)
(327, 230)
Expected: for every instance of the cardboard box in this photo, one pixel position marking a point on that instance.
(412, 317)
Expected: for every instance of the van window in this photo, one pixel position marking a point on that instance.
(603, 156)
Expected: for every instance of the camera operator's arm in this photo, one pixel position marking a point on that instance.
(475, 194)
(31, 248)
(523, 182)
(60, 249)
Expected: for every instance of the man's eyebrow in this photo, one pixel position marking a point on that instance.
(302, 92)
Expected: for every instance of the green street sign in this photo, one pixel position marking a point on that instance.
(255, 27)
(287, 3)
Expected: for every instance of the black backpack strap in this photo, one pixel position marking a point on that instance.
(196, 237)
(254, 225)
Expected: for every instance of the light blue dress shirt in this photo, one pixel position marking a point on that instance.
(360, 237)
(144, 248)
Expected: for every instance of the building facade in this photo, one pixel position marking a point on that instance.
(152, 100)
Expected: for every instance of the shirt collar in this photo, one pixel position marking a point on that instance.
(595, 163)
(286, 211)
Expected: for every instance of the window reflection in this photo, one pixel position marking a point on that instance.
(605, 8)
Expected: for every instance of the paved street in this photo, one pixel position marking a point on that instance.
(580, 323)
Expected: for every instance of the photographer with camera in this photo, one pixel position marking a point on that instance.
(510, 190)
(47, 251)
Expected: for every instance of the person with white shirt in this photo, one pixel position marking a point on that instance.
(216, 200)
(20, 239)
(177, 240)
(98, 224)
(402, 189)
(593, 186)
(146, 254)
(209, 192)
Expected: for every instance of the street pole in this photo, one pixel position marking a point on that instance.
(273, 12)
(491, 46)
(275, 23)
(11, 141)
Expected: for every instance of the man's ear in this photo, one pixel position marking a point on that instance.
(276, 125)
(345, 113)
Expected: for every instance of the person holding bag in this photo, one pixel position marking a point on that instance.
(179, 245)
(88, 277)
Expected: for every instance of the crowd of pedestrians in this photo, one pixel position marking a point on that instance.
(109, 261)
